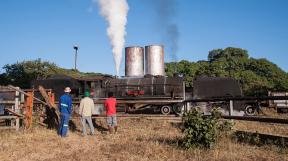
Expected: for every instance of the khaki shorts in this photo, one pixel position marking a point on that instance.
(112, 120)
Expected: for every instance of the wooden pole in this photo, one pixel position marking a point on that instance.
(231, 107)
(17, 109)
(53, 115)
(29, 110)
(46, 97)
(47, 100)
(14, 113)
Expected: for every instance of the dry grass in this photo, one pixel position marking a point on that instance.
(268, 128)
(137, 140)
(271, 112)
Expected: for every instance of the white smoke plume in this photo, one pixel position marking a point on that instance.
(115, 13)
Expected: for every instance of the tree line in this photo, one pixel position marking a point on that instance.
(256, 76)
(22, 73)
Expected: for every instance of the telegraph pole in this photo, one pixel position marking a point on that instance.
(75, 47)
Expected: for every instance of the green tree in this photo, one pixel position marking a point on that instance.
(3, 79)
(257, 76)
(16, 75)
(21, 74)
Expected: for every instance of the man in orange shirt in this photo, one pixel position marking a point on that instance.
(110, 105)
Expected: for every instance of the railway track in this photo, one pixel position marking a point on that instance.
(257, 138)
(178, 118)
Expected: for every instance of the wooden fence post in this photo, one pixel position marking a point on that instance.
(17, 109)
(231, 107)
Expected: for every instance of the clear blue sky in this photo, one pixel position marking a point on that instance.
(48, 29)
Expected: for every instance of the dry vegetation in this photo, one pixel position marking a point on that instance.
(268, 128)
(137, 139)
(271, 112)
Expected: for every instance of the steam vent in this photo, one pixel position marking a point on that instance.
(134, 62)
(154, 60)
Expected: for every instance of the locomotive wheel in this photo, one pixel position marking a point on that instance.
(250, 110)
(165, 110)
(178, 109)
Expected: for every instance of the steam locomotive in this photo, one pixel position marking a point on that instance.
(151, 90)
(161, 93)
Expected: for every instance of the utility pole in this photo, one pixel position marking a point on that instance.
(76, 52)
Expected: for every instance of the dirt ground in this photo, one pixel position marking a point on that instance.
(137, 140)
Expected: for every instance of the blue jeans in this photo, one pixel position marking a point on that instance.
(64, 123)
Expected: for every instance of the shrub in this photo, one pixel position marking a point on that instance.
(203, 131)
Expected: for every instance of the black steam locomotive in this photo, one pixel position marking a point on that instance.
(165, 94)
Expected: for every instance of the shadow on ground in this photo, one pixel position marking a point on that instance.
(99, 126)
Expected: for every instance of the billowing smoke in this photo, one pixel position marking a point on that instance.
(115, 12)
(167, 10)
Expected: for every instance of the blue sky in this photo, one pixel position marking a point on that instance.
(48, 29)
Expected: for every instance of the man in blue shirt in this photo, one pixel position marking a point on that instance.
(65, 107)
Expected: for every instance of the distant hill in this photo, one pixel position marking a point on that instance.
(256, 76)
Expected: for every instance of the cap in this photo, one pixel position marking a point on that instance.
(86, 94)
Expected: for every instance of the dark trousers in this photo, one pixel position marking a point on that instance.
(64, 123)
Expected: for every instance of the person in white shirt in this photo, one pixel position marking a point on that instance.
(85, 110)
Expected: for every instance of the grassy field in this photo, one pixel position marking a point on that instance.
(137, 139)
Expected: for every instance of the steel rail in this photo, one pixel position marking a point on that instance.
(258, 119)
(264, 138)
(175, 117)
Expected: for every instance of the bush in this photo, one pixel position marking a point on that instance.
(203, 131)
